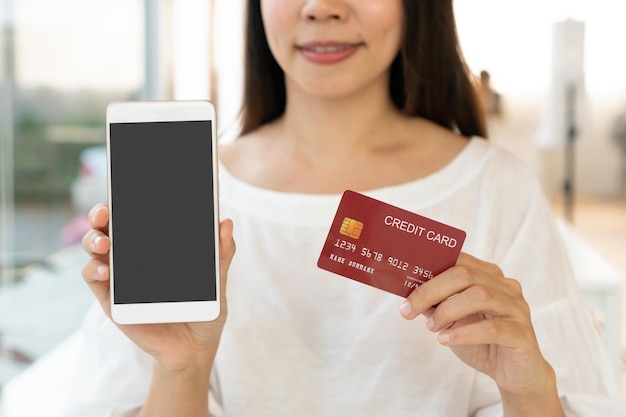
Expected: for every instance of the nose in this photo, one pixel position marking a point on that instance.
(324, 10)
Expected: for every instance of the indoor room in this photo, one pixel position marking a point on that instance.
(546, 73)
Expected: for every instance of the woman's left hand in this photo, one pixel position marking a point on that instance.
(483, 317)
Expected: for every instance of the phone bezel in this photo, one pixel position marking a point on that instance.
(164, 111)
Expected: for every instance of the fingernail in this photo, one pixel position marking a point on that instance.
(430, 323)
(405, 309)
(443, 338)
(92, 215)
(97, 240)
(101, 269)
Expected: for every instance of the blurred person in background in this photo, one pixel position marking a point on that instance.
(492, 100)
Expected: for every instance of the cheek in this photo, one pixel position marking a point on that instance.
(385, 18)
(275, 15)
(276, 20)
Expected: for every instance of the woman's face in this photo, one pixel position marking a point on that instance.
(331, 48)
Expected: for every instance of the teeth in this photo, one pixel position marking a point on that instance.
(328, 48)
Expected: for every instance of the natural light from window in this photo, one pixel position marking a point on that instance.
(513, 40)
(51, 53)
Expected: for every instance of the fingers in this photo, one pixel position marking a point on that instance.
(97, 244)
(475, 304)
(96, 275)
(227, 243)
(96, 241)
(468, 272)
(478, 299)
(227, 251)
(482, 332)
(99, 217)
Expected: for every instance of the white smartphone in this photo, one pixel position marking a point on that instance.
(164, 220)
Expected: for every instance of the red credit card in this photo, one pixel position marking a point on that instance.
(387, 247)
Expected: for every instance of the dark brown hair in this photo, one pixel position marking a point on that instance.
(429, 77)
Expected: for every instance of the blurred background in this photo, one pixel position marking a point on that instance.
(552, 77)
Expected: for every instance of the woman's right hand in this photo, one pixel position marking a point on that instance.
(175, 346)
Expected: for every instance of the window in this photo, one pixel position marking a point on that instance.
(61, 63)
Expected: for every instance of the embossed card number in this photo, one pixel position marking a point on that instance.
(387, 247)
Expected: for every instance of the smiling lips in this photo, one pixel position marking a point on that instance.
(326, 53)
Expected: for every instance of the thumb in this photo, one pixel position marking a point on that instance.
(227, 251)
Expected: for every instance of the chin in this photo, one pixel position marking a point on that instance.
(330, 90)
(337, 87)
(330, 94)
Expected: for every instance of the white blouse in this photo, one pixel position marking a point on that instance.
(301, 341)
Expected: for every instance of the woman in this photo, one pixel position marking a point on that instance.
(372, 96)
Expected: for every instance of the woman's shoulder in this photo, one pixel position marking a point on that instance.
(241, 155)
(503, 173)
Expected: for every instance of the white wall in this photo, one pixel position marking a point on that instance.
(193, 60)
(597, 161)
(228, 64)
(513, 41)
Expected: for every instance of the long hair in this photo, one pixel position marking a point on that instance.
(429, 76)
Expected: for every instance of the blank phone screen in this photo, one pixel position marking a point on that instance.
(162, 212)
